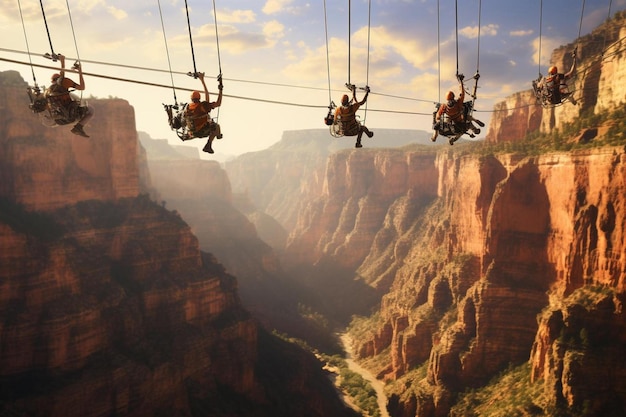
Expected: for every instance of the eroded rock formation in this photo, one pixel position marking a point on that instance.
(108, 305)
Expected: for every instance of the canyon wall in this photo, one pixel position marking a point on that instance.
(101, 167)
(598, 86)
(108, 304)
(469, 250)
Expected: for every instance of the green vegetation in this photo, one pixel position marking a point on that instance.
(536, 143)
(509, 394)
(353, 385)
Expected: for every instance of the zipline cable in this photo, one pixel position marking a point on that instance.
(43, 13)
(19, 4)
(193, 56)
(582, 14)
(330, 98)
(478, 47)
(167, 52)
(146, 83)
(219, 60)
(349, 36)
(69, 14)
(217, 39)
(608, 17)
(540, 28)
(367, 68)
(456, 33)
(439, 49)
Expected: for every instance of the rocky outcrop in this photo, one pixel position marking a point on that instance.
(108, 305)
(470, 249)
(598, 87)
(102, 167)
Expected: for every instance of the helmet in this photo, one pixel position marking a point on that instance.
(450, 95)
(553, 70)
(55, 76)
(195, 95)
(345, 100)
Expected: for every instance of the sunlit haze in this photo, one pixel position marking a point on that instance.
(273, 55)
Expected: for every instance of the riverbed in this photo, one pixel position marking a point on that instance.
(378, 386)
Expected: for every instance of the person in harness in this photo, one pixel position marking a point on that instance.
(346, 115)
(65, 108)
(553, 88)
(457, 113)
(196, 117)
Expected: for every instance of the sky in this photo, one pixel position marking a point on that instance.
(283, 61)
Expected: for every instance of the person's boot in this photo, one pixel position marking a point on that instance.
(434, 136)
(358, 144)
(207, 148)
(78, 130)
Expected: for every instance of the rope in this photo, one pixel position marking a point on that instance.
(582, 14)
(330, 98)
(193, 57)
(456, 17)
(349, 36)
(26, 40)
(69, 13)
(439, 49)
(478, 48)
(43, 13)
(219, 60)
(608, 17)
(540, 27)
(167, 52)
(217, 39)
(312, 106)
(367, 68)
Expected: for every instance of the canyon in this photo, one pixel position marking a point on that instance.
(109, 306)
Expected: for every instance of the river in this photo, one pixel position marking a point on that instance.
(378, 386)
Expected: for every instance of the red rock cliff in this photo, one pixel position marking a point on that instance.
(46, 168)
(599, 86)
(470, 250)
(108, 305)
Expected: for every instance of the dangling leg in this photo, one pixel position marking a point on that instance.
(358, 139)
(368, 132)
(78, 127)
(207, 148)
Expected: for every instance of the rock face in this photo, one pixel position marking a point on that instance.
(469, 251)
(599, 86)
(102, 167)
(108, 305)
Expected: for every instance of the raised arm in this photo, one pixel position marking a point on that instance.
(570, 73)
(206, 90)
(220, 87)
(367, 92)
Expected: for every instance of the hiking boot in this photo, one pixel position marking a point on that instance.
(220, 136)
(78, 130)
(358, 145)
(451, 141)
(207, 148)
(369, 134)
(479, 123)
(476, 130)
(434, 137)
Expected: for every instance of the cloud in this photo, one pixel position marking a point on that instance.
(547, 46)
(235, 16)
(118, 14)
(471, 32)
(521, 32)
(273, 29)
(275, 6)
